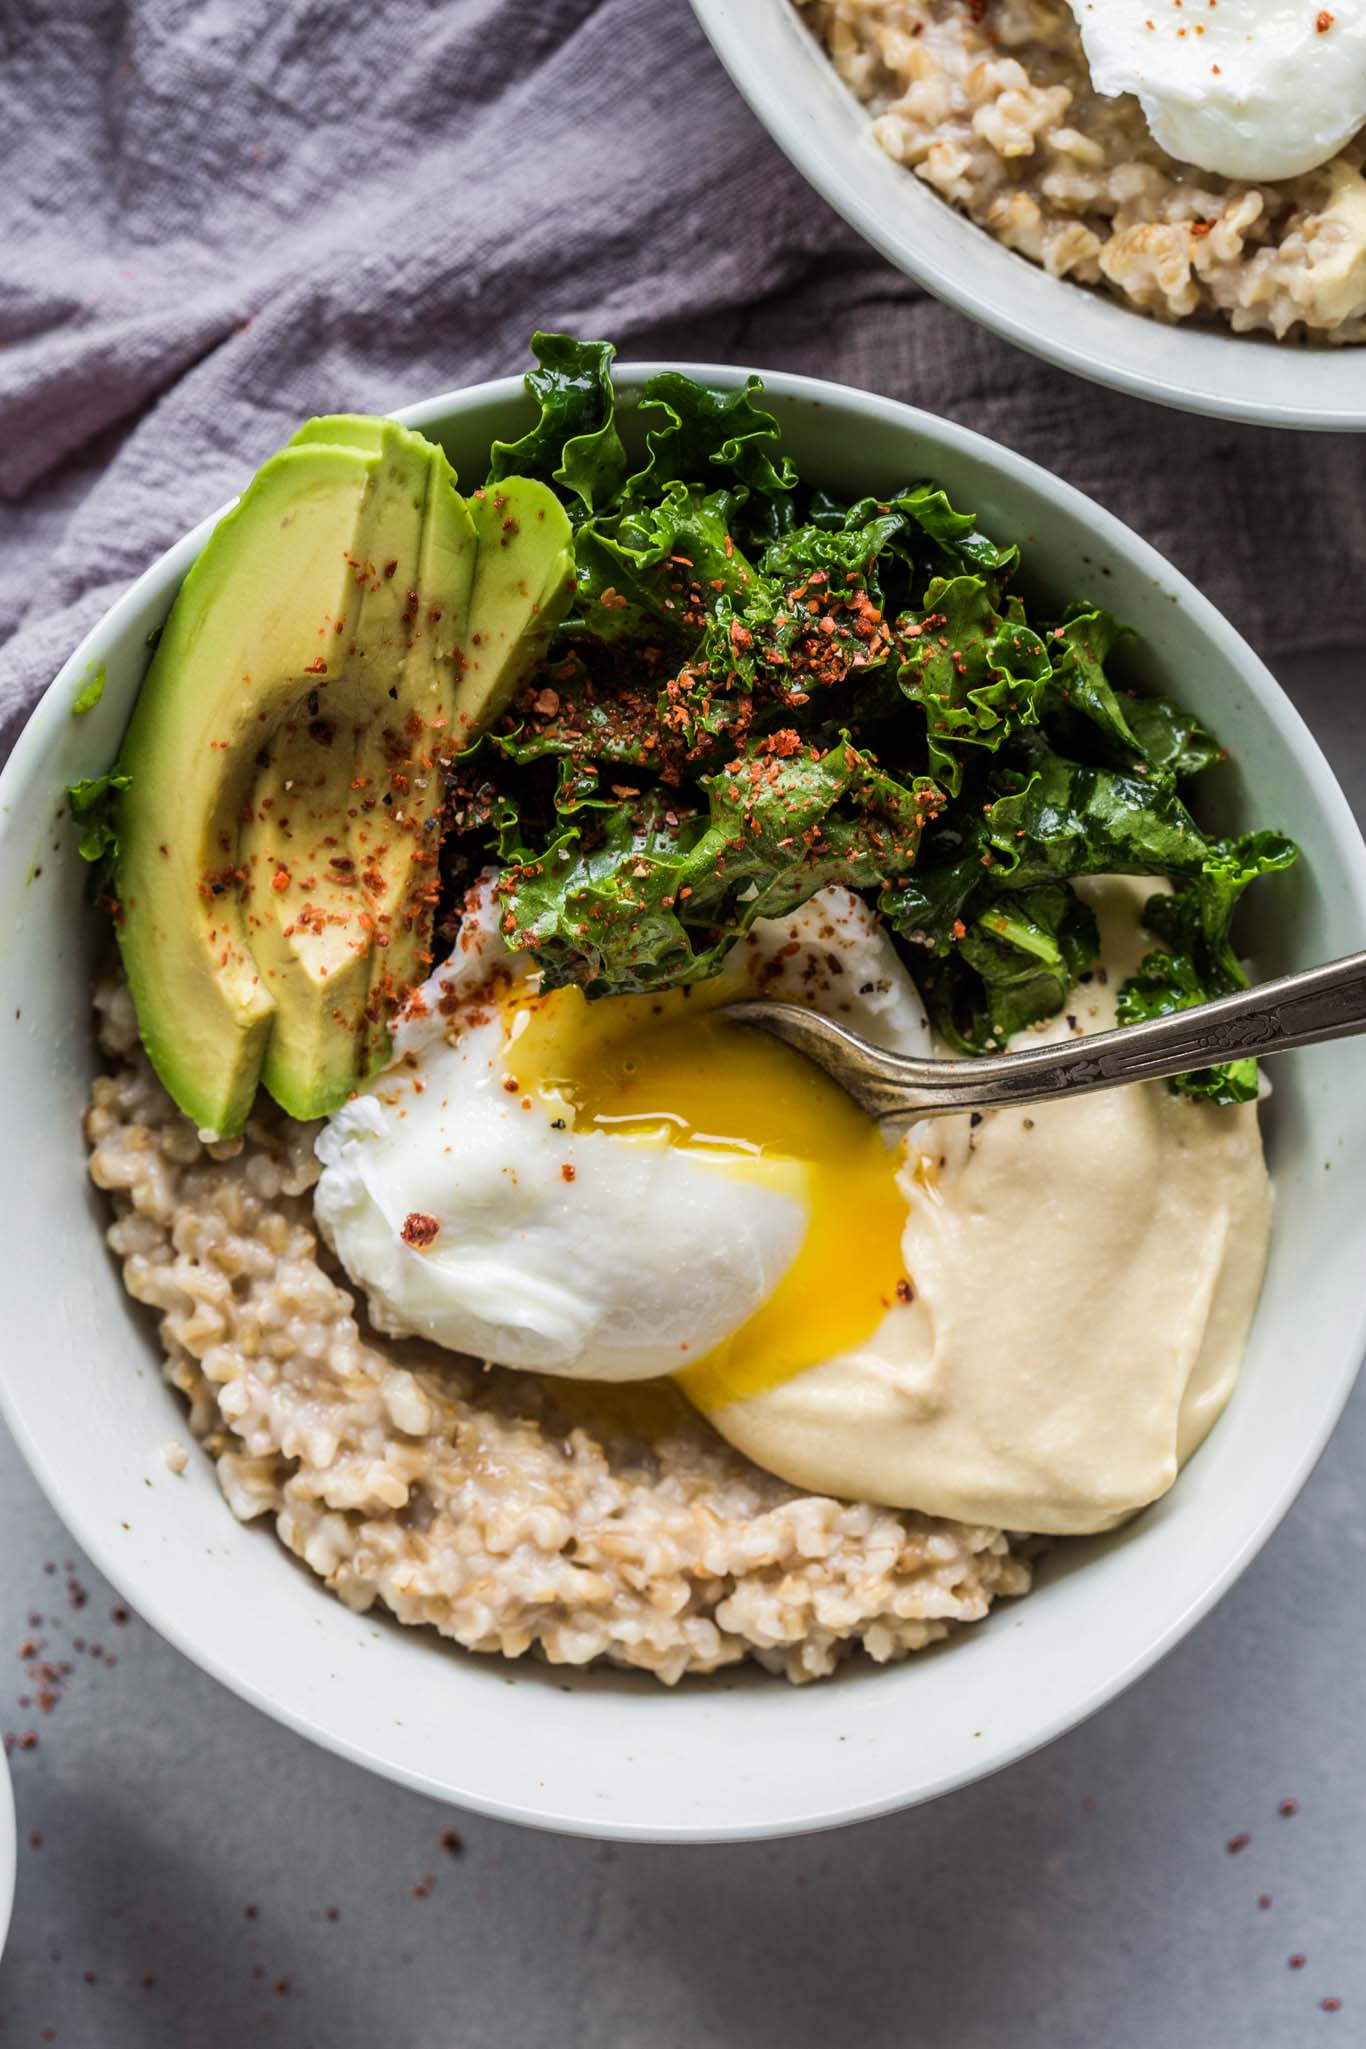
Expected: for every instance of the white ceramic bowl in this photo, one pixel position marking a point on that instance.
(614, 1754)
(793, 88)
(8, 1851)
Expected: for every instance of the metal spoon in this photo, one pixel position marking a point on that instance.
(1299, 1010)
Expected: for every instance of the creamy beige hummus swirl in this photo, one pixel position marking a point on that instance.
(1085, 1274)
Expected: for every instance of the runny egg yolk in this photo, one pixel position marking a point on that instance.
(664, 1070)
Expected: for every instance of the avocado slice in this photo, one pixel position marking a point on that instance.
(233, 660)
(350, 624)
(522, 590)
(364, 813)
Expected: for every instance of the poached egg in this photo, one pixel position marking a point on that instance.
(628, 1188)
(1255, 89)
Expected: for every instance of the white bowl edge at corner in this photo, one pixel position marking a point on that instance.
(9, 1852)
(790, 85)
(606, 1754)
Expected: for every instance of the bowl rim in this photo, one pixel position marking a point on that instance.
(1013, 297)
(51, 715)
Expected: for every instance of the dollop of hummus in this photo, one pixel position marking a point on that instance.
(1083, 1278)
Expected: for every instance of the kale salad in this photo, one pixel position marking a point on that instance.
(760, 689)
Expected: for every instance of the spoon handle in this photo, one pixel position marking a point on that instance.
(1298, 1010)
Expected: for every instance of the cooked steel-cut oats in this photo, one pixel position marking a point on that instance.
(990, 102)
(509, 1512)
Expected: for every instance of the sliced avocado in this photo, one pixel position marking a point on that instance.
(232, 662)
(361, 809)
(522, 590)
(401, 840)
(291, 652)
(348, 626)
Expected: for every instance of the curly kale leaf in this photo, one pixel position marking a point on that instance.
(1014, 964)
(1197, 961)
(637, 894)
(976, 674)
(575, 443)
(1000, 946)
(1128, 727)
(693, 432)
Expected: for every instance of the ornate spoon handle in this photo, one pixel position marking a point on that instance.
(1299, 1010)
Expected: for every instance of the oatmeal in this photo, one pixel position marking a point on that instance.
(991, 104)
(509, 1513)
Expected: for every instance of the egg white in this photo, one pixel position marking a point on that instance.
(1255, 89)
(572, 1251)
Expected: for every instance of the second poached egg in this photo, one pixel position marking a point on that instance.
(1255, 89)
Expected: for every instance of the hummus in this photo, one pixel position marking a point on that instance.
(1084, 1277)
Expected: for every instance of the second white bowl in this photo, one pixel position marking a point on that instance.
(793, 88)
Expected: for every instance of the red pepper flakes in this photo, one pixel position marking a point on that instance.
(1331, 2005)
(422, 1887)
(281, 1987)
(1263, 1900)
(452, 1842)
(249, 1912)
(904, 1291)
(419, 1229)
(568, 1173)
(332, 1913)
(35, 1839)
(1288, 1807)
(1298, 1961)
(120, 1615)
(1237, 1843)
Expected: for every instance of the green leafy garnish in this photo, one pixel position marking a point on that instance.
(93, 803)
(1197, 960)
(90, 692)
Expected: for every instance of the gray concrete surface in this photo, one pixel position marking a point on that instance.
(192, 1875)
